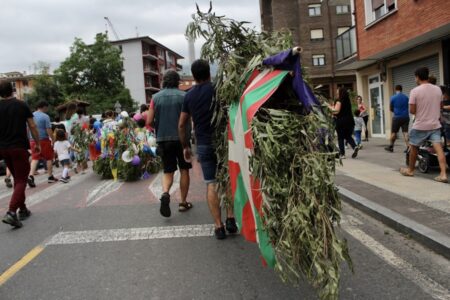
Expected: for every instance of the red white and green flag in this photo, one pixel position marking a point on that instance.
(246, 190)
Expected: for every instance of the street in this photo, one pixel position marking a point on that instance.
(94, 239)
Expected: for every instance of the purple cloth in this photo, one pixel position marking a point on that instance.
(287, 61)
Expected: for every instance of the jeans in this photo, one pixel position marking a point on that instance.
(208, 161)
(358, 137)
(17, 162)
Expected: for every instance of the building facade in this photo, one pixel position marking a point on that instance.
(145, 61)
(315, 24)
(22, 83)
(390, 40)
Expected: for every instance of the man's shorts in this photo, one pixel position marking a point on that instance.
(417, 137)
(171, 153)
(447, 132)
(400, 122)
(46, 150)
(208, 161)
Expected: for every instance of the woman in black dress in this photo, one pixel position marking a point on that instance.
(345, 124)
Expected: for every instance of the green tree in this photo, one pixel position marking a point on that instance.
(93, 73)
(45, 87)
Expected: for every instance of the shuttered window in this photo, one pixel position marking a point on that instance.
(404, 74)
(317, 34)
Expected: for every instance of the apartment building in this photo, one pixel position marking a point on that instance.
(21, 82)
(315, 24)
(390, 40)
(145, 61)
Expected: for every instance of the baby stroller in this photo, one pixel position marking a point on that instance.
(427, 157)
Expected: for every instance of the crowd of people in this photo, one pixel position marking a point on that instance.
(170, 113)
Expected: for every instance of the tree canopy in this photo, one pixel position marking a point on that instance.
(93, 73)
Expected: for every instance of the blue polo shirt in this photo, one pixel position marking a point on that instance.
(400, 103)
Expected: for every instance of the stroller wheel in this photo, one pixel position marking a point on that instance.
(423, 164)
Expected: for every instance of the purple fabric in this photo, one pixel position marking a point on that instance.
(287, 61)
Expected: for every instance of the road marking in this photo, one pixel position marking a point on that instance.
(20, 264)
(156, 186)
(105, 188)
(56, 189)
(428, 285)
(39, 179)
(130, 234)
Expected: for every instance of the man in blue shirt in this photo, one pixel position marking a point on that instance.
(399, 106)
(199, 104)
(44, 127)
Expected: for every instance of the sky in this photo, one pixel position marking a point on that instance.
(44, 30)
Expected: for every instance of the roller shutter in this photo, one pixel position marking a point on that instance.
(404, 75)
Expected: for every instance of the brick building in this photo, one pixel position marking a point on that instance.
(391, 39)
(145, 61)
(315, 24)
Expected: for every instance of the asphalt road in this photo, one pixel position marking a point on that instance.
(94, 239)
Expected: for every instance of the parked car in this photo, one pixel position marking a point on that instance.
(2, 167)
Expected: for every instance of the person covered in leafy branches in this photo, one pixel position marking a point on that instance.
(345, 124)
(198, 104)
(164, 114)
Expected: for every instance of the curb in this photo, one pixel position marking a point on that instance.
(426, 236)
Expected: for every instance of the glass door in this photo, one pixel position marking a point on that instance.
(376, 106)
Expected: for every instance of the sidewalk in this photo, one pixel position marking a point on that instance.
(417, 206)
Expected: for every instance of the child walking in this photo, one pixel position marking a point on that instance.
(62, 147)
(359, 123)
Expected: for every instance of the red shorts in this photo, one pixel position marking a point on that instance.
(46, 150)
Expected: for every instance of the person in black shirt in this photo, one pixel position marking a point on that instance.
(14, 145)
(342, 111)
(198, 104)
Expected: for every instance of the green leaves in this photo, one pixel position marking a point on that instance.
(93, 73)
(294, 155)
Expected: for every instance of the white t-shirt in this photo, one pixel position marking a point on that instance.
(62, 149)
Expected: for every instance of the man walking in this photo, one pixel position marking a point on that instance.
(44, 126)
(399, 106)
(425, 103)
(164, 114)
(198, 104)
(14, 145)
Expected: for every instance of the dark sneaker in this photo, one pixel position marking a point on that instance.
(389, 149)
(220, 233)
(165, 205)
(230, 225)
(11, 219)
(355, 152)
(30, 181)
(52, 179)
(64, 180)
(8, 182)
(24, 214)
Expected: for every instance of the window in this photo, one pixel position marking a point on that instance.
(376, 9)
(318, 59)
(343, 29)
(342, 9)
(316, 34)
(314, 10)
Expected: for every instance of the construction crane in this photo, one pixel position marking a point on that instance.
(112, 28)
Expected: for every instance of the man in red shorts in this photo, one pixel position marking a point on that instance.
(44, 127)
(15, 116)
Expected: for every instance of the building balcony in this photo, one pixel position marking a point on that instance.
(149, 55)
(151, 71)
(346, 46)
